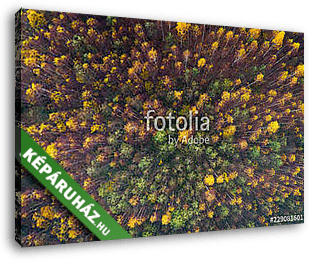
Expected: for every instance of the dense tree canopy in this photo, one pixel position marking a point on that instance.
(87, 83)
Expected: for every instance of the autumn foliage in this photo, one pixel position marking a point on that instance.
(88, 81)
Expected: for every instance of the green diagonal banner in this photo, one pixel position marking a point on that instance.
(66, 190)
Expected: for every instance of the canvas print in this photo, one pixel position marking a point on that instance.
(171, 127)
